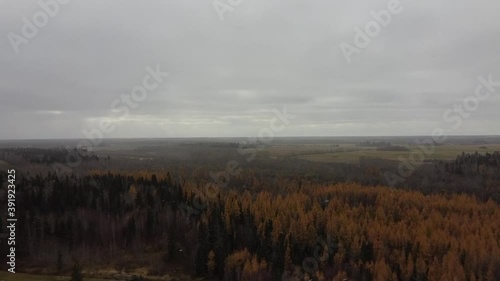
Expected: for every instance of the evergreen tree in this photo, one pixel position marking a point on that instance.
(60, 265)
(76, 274)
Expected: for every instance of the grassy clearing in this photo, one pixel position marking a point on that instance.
(306, 149)
(445, 152)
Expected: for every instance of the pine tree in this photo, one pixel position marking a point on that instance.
(60, 265)
(76, 274)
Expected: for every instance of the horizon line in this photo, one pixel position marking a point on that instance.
(238, 137)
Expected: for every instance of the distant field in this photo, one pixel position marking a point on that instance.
(159, 152)
(349, 153)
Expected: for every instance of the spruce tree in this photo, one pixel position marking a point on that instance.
(76, 274)
(60, 265)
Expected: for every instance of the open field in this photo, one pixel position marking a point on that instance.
(353, 154)
(158, 152)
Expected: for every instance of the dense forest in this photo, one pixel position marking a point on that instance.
(474, 174)
(290, 232)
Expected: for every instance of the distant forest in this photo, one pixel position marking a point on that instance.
(475, 174)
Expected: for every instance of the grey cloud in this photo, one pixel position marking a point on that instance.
(227, 76)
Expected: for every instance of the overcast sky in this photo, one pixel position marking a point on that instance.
(227, 76)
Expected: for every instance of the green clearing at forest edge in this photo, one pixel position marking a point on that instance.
(351, 154)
